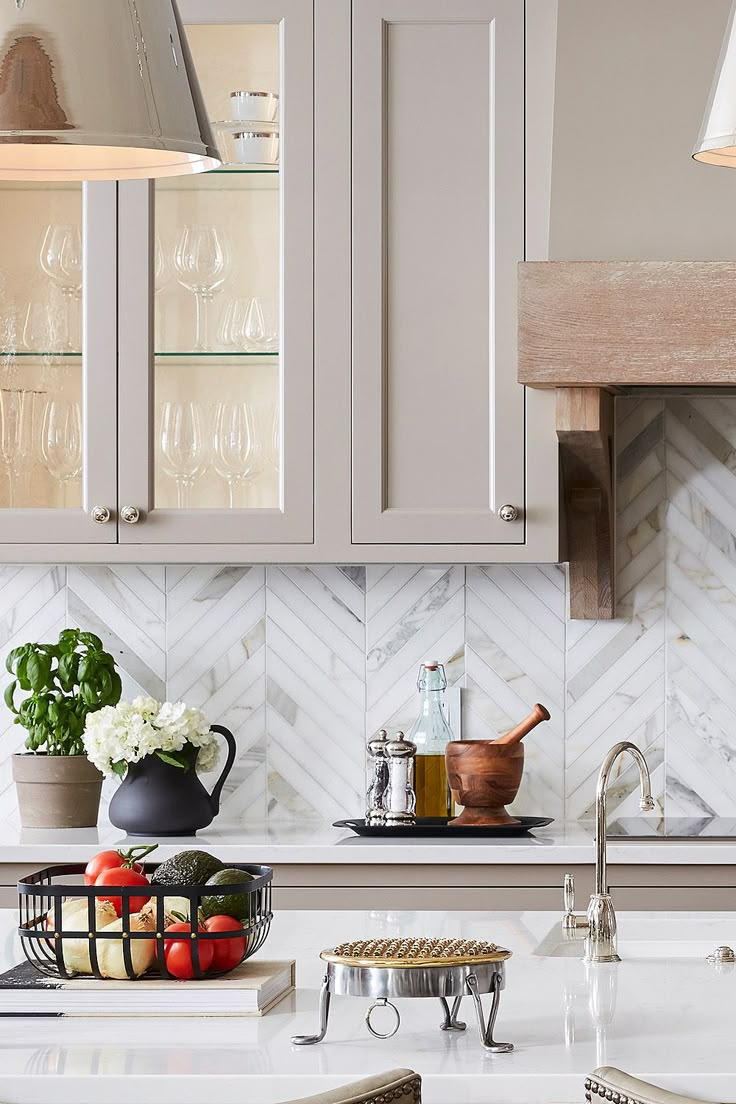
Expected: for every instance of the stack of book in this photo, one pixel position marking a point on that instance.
(250, 990)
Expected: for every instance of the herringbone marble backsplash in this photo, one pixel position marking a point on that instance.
(303, 662)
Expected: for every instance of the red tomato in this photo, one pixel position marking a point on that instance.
(115, 860)
(227, 953)
(120, 876)
(107, 860)
(178, 952)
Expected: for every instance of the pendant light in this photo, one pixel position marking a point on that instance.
(716, 143)
(99, 90)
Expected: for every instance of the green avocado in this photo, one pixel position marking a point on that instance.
(229, 904)
(187, 868)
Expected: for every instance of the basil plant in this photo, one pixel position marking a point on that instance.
(63, 683)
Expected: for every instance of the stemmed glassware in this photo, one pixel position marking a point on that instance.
(61, 442)
(201, 260)
(183, 452)
(61, 259)
(251, 325)
(272, 437)
(16, 436)
(236, 455)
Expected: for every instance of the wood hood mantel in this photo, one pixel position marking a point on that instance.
(592, 328)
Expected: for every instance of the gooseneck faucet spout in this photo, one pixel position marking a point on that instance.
(600, 944)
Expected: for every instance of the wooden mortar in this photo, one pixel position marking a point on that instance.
(484, 777)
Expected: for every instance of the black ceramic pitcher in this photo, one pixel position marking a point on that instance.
(158, 799)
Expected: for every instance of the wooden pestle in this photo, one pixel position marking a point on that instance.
(538, 714)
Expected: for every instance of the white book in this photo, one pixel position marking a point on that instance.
(250, 990)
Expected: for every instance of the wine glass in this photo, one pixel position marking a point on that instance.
(201, 260)
(236, 454)
(260, 326)
(61, 442)
(231, 326)
(272, 436)
(16, 436)
(61, 259)
(182, 447)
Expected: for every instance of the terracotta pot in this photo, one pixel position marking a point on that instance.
(57, 791)
(484, 776)
(158, 799)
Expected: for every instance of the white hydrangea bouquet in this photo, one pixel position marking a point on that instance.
(126, 733)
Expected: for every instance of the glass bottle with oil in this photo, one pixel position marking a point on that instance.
(431, 734)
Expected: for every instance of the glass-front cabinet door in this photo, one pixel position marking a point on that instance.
(57, 362)
(216, 358)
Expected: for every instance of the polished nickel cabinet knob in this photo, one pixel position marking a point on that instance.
(101, 515)
(508, 513)
(131, 515)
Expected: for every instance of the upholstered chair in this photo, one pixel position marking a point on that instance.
(608, 1084)
(397, 1087)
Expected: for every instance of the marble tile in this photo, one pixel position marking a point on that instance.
(701, 606)
(315, 691)
(216, 661)
(413, 614)
(515, 656)
(615, 670)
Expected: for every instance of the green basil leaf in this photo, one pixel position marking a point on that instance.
(116, 691)
(171, 759)
(21, 672)
(13, 658)
(9, 693)
(38, 671)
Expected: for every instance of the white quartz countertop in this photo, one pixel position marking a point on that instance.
(663, 1013)
(315, 842)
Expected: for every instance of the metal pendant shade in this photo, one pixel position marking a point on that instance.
(716, 143)
(99, 90)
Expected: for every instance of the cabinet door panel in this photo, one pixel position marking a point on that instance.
(438, 227)
(217, 273)
(58, 326)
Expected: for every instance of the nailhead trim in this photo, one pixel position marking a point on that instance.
(595, 1087)
(412, 1088)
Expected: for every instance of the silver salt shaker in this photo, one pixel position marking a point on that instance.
(375, 812)
(400, 801)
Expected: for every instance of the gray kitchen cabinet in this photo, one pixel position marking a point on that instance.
(314, 363)
(57, 402)
(443, 449)
(458, 888)
(225, 357)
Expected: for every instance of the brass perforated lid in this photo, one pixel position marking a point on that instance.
(413, 952)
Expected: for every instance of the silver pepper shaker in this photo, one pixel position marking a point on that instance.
(375, 812)
(400, 801)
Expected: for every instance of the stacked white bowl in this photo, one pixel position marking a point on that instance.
(255, 129)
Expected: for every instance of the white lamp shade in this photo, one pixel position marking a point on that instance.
(99, 90)
(716, 143)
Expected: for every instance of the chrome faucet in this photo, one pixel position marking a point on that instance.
(599, 927)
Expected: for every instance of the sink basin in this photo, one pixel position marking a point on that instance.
(651, 937)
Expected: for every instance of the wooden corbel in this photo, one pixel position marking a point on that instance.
(585, 431)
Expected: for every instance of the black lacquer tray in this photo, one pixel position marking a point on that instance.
(439, 827)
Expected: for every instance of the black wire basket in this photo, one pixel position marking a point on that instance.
(45, 936)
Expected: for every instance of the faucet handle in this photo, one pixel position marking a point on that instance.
(572, 923)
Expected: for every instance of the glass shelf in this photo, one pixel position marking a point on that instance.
(218, 356)
(38, 355)
(256, 178)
